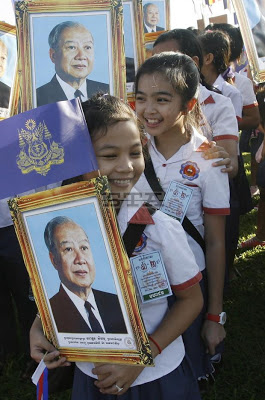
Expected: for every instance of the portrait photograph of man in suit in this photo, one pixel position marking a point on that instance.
(151, 18)
(72, 51)
(4, 88)
(78, 307)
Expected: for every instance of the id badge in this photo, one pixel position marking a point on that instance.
(176, 200)
(150, 276)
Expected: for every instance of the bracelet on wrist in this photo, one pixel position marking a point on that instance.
(155, 343)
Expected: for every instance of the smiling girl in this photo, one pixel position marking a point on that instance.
(166, 103)
(117, 143)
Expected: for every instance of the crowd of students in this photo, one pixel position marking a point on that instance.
(187, 95)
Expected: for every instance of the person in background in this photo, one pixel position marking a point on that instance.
(216, 56)
(259, 238)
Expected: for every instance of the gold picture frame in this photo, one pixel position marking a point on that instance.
(134, 42)
(89, 205)
(249, 33)
(36, 19)
(8, 107)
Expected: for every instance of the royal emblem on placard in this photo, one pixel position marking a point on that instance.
(38, 151)
(189, 170)
(141, 244)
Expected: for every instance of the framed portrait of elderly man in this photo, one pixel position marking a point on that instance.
(8, 63)
(251, 18)
(156, 16)
(80, 273)
(69, 49)
(133, 42)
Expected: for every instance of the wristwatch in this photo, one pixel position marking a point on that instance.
(220, 318)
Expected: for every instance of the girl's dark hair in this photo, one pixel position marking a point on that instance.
(188, 44)
(261, 101)
(236, 41)
(181, 71)
(104, 110)
(217, 43)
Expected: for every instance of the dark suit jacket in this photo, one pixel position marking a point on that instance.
(68, 318)
(4, 95)
(158, 29)
(52, 91)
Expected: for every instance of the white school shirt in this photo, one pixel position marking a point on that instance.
(232, 92)
(166, 235)
(211, 192)
(220, 115)
(245, 86)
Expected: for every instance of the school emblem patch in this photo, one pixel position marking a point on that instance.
(141, 244)
(189, 170)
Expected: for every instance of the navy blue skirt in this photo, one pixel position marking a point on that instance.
(180, 384)
(194, 345)
(193, 342)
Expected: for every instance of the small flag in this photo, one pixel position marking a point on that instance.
(45, 145)
(40, 379)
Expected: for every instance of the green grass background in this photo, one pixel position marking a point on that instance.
(241, 375)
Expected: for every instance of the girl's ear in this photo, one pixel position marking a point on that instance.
(208, 58)
(191, 104)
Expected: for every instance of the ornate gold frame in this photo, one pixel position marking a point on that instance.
(258, 72)
(98, 189)
(26, 7)
(139, 37)
(13, 105)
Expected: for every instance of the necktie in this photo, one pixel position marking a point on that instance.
(78, 93)
(95, 325)
(152, 30)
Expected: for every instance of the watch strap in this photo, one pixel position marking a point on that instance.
(213, 317)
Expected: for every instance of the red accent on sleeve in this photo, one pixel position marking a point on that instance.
(182, 286)
(217, 211)
(222, 137)
(251, 105)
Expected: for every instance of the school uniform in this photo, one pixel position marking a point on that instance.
(232, 92)
(220, 118)
(210, 196)
(160, 234)
(245, 86)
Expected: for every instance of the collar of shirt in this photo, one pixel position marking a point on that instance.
(80, 305)
(70, 91)
(183, 153)
(150, 30)
(219, 82)
(204, 93)
(132, 211)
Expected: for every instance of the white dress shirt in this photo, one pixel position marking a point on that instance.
(70, 91)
